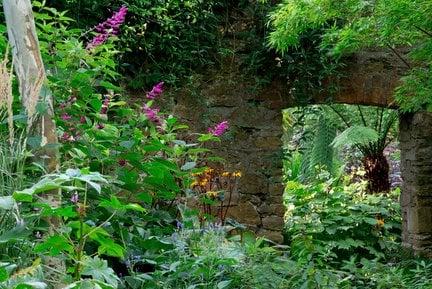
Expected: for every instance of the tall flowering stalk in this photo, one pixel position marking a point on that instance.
(219, 129)
(215, 187)
(156, 91)
(152, 115)
(108, 28)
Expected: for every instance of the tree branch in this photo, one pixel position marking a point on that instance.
(424, 31)
(398, 55)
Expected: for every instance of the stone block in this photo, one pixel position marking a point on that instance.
(270, 142)
(275, 236)
(419, 220)
(245, 213)
(278, 209)
(273, 223)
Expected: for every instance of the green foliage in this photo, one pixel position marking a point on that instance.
(121, 216)
(350, 26)
(321, 133)
(355, 135)
(321, 152)
(122, 221)
(27, 278)
(338, 222)
(169, 40)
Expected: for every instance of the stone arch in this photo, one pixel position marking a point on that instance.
(254, 143)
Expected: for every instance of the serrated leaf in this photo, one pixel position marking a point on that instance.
(99, 270)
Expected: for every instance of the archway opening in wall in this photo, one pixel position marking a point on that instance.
(341, 170)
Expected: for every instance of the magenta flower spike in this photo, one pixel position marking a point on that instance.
(156, 91)
(152, 114)
(108, 28)
(66, 117)
(219, 129)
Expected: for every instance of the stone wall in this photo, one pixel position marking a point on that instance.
(416, 166)
(253, 145)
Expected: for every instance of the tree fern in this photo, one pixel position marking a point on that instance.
(356, 135)
(320, 152)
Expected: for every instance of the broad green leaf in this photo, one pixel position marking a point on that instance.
(54, 246)
(19, 232)
(99, 270)
(208, 137)
(110, 248)
(145, 197)
(223, 284)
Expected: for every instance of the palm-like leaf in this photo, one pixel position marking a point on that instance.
(356, 135)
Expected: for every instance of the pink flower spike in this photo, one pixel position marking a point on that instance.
(108, 28)
(152, 114)
(156, 91)
(219, 129)
(66, 117)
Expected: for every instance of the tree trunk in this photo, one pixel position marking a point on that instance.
(377, 173)
(30, 72)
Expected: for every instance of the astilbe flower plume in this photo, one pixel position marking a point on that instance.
(219, 129)
(156, 91)
(108, 28)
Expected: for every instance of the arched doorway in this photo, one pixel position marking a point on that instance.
(254, 144)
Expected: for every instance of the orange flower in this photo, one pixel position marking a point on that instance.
(380, 222)
(237, 174)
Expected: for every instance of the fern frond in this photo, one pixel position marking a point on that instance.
(320, 152)
(356, 135)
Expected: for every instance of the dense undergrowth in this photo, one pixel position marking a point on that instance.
(128, 176)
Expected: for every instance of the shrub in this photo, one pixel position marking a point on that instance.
(333, 222)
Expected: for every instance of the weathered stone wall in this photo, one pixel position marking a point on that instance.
(416, 165)
(253, 145)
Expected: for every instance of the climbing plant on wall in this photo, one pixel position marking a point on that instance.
(174, 40)
(348, 26)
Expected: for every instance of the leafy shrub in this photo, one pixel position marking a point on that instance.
(334, 222)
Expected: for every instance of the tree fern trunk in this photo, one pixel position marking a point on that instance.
(377, 173)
